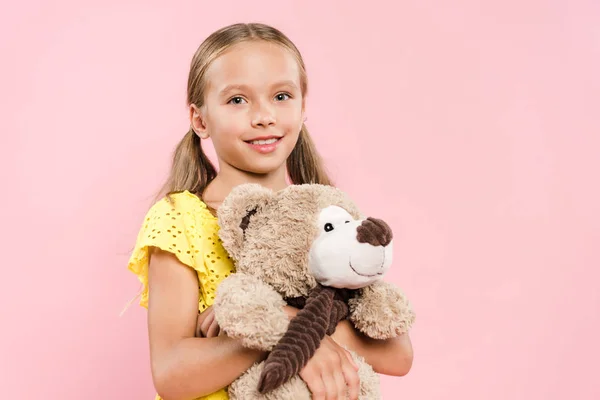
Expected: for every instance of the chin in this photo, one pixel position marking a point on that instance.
(262, 169)
(264, 166)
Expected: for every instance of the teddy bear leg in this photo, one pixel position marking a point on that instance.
(246, 387)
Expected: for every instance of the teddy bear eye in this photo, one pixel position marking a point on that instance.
(328, 227)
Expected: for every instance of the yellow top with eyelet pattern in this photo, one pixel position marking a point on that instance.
(186, 228)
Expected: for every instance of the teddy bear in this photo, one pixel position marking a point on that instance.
(307, 246)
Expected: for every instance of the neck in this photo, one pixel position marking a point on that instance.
(229, 177)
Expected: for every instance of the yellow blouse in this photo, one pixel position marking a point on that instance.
(185, 227)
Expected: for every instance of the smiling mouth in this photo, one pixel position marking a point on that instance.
(264, 141)
(363, 275)
(264, 145)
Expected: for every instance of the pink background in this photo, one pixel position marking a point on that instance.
(476, 128)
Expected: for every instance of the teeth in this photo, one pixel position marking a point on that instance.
(268, 141)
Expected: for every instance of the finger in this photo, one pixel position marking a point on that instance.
(330, 384)
(351, 359)
(315, 384)
(200, 320)
(202, 323)
(340, 384)
(352, 379)
(213, 329)
(199, 326)
(207, 322)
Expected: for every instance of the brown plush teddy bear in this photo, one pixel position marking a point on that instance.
(307, 246)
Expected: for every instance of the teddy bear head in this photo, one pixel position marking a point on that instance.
(302, 235)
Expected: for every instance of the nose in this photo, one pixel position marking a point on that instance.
(375, 232)
(264, 116)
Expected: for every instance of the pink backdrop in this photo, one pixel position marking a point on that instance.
(477, 132)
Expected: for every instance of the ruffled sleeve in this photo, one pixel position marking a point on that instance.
(176, 226)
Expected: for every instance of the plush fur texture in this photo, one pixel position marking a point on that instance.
(275, 239)
(381, 311)
(250, 310)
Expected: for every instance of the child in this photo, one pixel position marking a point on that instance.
(246, 91)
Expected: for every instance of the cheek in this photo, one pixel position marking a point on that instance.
(226, 126)
(290, 119)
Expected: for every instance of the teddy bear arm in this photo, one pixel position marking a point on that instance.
(248, 309)
(381, 311)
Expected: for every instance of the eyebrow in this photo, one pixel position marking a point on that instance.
(240, 87)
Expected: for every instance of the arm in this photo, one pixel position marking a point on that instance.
(382, 316)
(182, 365)
(386, 356)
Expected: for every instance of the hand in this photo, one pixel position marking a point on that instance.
(331, 373)
(207, 325)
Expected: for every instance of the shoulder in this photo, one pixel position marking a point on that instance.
(176, 223)
(181, 224)
(179, 204)
(178, 210)
(178, 216)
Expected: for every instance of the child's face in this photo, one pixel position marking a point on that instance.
(252, 93)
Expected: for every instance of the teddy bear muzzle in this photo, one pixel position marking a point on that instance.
(375, 232)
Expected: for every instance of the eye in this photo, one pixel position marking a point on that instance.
(236, 100)
(282, 96)
(347, 222)
(328, 227)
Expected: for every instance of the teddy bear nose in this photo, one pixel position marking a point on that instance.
(375, 232)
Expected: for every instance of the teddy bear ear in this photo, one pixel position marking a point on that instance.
(236, 211)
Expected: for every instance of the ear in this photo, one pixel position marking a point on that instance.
(198, 122)
(236, 212)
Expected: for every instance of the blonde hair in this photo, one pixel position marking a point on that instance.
(191, 169)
